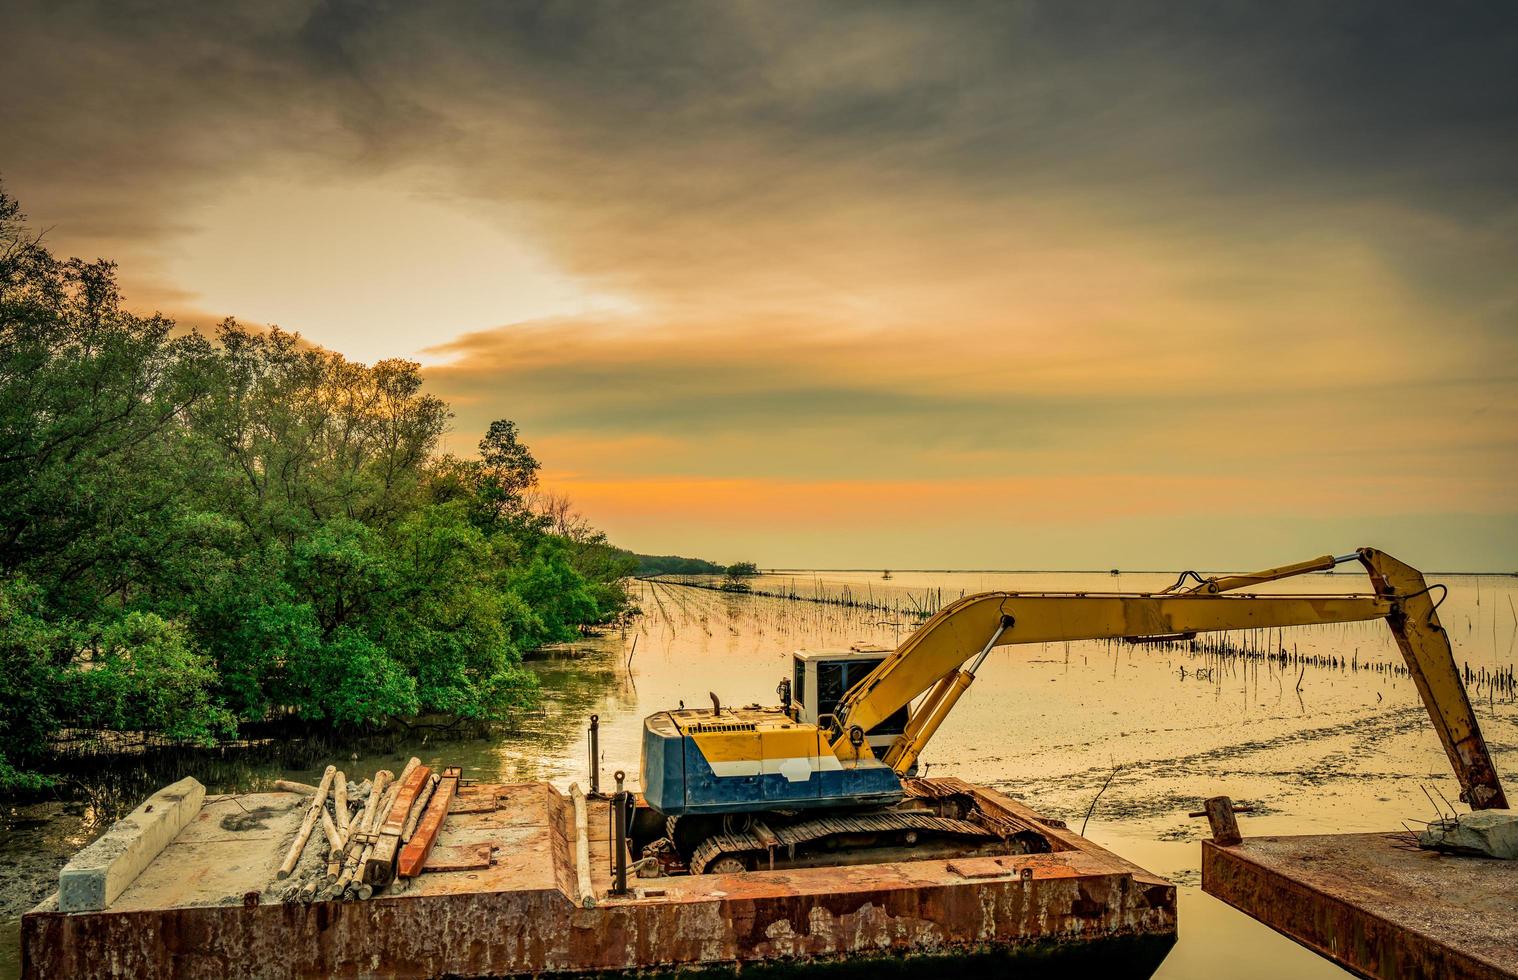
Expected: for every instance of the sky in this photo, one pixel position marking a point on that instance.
(947, 285)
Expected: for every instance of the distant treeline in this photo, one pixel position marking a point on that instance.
(201, 532)
(675, 565)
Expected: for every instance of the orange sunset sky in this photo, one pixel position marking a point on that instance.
(1012, 285)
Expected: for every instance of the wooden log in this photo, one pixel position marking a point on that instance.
(379, 867)
(422, 800)
(362, 824)
(351, 880)
(356, 887)
(419, 845)
(334, 839)
(340, 802)
(377, 787)
(291, 786)
(334, 848)
(582, 848)
(318, 803)
(382, 810)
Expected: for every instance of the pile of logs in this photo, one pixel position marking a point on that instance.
(369, 830)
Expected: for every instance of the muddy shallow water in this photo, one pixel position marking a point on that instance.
(1315, 749)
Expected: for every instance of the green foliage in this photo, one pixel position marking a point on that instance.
(742, 569)
(451, 621)
(350, 680)
(199, 532)
(559, 596)
(28, 678)
(145, 677)
(304, 435)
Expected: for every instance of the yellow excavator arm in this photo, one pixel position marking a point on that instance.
(931, 663)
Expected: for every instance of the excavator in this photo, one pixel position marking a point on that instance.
(830, 770)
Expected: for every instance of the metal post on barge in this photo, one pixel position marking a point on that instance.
(620, 803)
(595, 755)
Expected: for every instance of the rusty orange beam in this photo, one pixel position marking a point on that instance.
(414, 854)
(379, 869)
(395, 820)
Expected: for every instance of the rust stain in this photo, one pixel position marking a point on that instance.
(517, 917)
(1374, 905)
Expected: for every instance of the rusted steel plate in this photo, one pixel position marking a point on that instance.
(1374, 904)
(414, 854)
(517, 916)
(517, 933)
(985, 867)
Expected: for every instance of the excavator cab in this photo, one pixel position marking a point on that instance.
(820, 679)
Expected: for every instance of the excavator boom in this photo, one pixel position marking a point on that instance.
(930, 663)
(711, 772)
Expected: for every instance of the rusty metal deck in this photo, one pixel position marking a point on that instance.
(1376, 904)
(197, 912)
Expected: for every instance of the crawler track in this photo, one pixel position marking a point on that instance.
(761, 839)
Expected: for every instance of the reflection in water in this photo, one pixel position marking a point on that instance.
(1316, 749)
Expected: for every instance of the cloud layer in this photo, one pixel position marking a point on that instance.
(853, 283)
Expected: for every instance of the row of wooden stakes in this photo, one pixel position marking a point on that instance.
(392, 835)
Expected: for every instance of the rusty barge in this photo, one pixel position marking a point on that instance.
(1392, 906)
(1375, 904)
(545, 900)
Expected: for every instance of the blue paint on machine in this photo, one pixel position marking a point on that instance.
(663, 763)
(677, 780)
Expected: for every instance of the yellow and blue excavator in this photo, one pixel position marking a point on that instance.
(828, 764)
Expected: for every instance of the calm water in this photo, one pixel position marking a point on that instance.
(1348, 750)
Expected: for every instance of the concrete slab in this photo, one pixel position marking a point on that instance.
(1376, 904)
(95, 876)
(232, 847)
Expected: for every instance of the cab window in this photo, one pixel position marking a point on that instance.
(830, 686)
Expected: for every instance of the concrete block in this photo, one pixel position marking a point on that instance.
(1484, 833)
(96, 875)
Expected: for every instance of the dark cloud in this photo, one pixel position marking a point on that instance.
(1269, 98)
(957, 238)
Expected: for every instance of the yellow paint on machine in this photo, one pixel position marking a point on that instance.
(788, 749)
